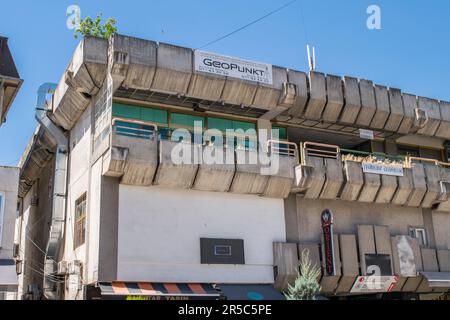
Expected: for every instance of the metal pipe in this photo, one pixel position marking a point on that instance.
(59, 186)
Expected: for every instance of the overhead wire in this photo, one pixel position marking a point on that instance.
(248, 24)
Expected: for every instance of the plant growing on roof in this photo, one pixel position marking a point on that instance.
(95, 28)
(306, 285)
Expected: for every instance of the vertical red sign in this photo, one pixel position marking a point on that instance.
(327, 227)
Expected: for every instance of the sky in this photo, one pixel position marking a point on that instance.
(410, 51)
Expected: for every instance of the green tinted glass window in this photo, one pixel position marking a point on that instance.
(154, 115)
(220, 124)
(179, 120)
(139, 113)
(126, 111)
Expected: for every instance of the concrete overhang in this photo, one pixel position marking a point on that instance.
(10, 81)
(154, 72)
(38, 152)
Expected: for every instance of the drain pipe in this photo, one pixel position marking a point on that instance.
(59, 194)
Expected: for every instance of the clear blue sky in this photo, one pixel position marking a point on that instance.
(411, 51)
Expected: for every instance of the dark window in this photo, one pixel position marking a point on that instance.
(80, 221)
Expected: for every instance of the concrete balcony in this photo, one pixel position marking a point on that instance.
(326, 174)
(82, 79)
(414, 267)
(132, 155)
(138, 156)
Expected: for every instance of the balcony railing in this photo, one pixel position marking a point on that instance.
(134, 128)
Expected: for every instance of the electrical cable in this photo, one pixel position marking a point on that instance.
(248, 24)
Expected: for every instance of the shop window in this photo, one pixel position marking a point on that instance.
(420, 235)
(2, 212)
(80, 221)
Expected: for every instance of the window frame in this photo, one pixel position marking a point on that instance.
(80, 222)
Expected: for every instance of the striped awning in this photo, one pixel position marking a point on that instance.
(188, 290)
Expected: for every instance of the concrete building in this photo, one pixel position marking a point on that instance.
(112, 213)
(10, 83)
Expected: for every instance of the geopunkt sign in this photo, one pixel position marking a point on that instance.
(232, 67)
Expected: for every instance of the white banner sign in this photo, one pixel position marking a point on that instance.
(379, 168)
(366, 134)
(233, 67)
(374, 284)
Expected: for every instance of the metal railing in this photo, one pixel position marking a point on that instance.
(321, 150)
(283, 148)
(134, 128)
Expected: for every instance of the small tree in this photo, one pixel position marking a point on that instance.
(94, 28)
(306, 286)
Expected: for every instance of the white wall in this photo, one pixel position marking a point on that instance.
(9, 183)
(160, 231)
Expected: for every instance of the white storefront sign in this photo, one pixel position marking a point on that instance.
(366, 134)
(379, 168)
(232, 67)
(374, 284)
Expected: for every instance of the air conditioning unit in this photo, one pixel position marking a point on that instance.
(287, 97)
(63, 267)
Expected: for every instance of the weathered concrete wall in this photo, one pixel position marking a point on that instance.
(174, 251)
(9, 184)
(347, 215)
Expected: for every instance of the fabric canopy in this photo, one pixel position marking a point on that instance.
(188, 290)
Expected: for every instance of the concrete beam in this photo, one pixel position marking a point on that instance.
(317, 96)
(335, 99)
(409, 113)
(352, 101)
(216, 176)
(370, 188)
(444, 128)
(301, 83)
(285, 261)
(172, 175)
(248, 178)
(267, 96)
(206, 86)
(317, 179)
(174, 69)
(396, 114)
(383, 110)
(431, 106)
(405, 187)
(387, 189)
(433, 178)
(334, 174)
(368, 103)
(354, 180)
(419, 185)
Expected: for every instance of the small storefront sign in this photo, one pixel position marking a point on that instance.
(374, 284)
(232, 67)
(327, 227)
(385, 169)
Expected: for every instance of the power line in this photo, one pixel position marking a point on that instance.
(248, 24)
